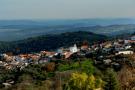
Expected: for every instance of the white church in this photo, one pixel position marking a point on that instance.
(73, 49)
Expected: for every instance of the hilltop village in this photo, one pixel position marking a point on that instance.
(106, 53)
(117, 54)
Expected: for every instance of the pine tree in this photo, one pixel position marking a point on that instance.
(111, 80)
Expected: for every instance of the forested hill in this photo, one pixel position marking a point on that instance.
(49, 42)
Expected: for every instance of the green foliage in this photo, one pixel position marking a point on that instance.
(111, 82)
(87, 66)
(64, 67)
(82, 81)
(8, 74)
(75, 65)
(50, 74)
(78, 81)
(35, 71)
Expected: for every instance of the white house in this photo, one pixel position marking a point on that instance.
(126, 41)
(125, 52)
(73, 49)
(128, 47)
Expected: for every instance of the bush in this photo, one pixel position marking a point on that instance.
(87, 66)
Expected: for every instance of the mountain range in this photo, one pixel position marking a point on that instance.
(12, 30)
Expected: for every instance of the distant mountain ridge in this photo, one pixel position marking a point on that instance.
(23, 33)
(85, 22)
(12, 30)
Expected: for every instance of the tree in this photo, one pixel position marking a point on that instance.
(78, 81)
(83, 81)
(50, 67)
(87, 67)
(63, 67)
(111, 82)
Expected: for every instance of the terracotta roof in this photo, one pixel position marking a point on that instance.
(67, 54)
(84, 47)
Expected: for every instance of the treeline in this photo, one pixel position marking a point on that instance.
(49, 42)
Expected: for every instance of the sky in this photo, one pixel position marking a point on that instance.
(66, 9)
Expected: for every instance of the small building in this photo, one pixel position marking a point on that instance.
(84, 47)
(73, 49)
(133, 38)
(7, 85)
(125, 52)
(48, 53)
(128, 47)
(129, 41)
(67, 54)
(60, 51)
(126, 41)
(107, 61)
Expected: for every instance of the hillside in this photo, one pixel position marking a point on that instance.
(49, 42)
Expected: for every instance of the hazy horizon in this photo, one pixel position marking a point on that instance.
(62, 19)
